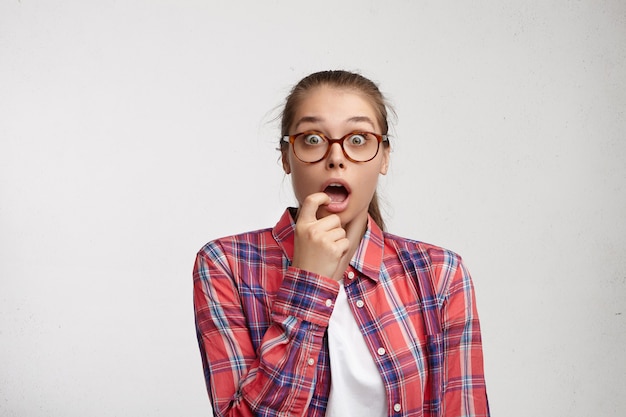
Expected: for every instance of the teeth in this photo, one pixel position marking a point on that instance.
(335, 185)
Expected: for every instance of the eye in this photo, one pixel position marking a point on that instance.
(312, 139)
(357, 139)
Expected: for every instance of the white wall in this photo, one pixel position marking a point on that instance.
(133, 132)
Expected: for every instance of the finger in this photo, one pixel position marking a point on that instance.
(326, 225)
(310, 205)
(336, 235)
(329, 222)
(343, 245)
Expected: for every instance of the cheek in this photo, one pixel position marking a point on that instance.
(301, 182)
(370, 177)
(365, 187)
(373, 177)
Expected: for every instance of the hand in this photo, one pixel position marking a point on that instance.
(319, 243)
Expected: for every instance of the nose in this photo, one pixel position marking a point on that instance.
(335, 157)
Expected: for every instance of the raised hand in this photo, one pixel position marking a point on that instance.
(319, 243)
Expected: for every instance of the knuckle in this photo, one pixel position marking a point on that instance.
(313, 234)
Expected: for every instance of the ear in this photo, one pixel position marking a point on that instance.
(285, 160)
(384, 166)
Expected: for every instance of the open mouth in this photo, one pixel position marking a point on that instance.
(337, 193)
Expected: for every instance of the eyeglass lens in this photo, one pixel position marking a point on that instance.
(312, 147)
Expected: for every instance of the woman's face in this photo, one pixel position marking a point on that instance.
(336, 112)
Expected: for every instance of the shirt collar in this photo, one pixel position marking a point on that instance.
(368, 256)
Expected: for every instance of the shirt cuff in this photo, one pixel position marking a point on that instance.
(306, 296)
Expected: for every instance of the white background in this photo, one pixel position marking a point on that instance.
(131, 133)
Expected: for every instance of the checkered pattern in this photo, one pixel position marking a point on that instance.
(261, 325)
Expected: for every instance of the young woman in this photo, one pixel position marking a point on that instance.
(325, 314)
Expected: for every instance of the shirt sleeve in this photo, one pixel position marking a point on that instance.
(279, 378)
(464, 390)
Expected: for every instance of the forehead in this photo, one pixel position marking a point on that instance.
(336, 105)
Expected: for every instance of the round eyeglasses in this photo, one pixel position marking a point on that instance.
(313, 146)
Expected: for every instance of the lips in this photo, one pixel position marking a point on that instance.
(339, 194)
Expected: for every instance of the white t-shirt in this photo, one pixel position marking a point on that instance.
(356, 387)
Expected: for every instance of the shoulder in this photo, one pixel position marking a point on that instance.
(423, 252)
(431, 265)
(231, 254)
(242, 242)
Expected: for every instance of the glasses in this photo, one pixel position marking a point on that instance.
(313, 146)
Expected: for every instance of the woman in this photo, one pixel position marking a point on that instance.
(325, 314)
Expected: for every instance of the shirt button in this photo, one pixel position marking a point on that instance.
(329, 303)
(397, 408)
(360, 303)
(311, 361)
(381, 351)
(350, 275)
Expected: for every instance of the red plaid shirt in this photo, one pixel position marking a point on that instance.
(261, 325)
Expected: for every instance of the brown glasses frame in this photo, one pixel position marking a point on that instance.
(291, 139)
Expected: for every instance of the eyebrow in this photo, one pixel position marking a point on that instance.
(354, 119)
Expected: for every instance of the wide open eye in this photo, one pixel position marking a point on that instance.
(312, 139)
(357, 139)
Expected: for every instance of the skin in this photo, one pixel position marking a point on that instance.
(327, 237)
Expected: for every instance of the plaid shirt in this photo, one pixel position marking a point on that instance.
(261, 325)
